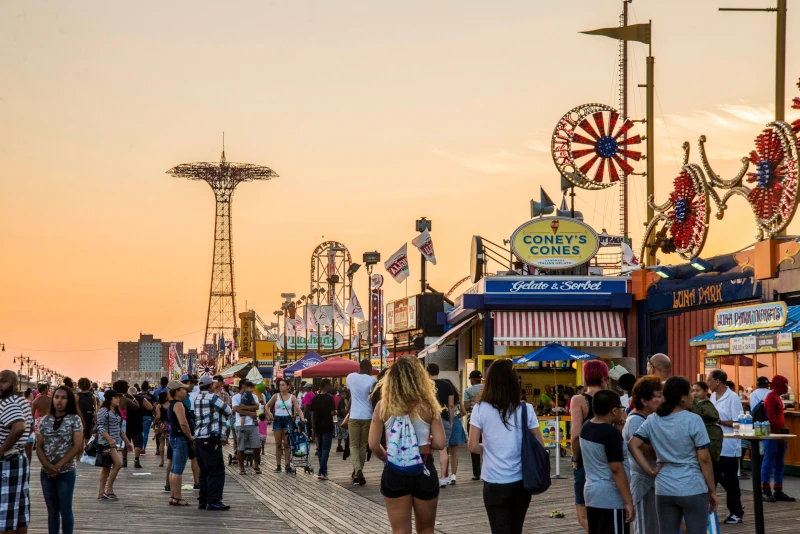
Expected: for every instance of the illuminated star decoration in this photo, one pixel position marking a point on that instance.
(769, 193)
(687, 226)
(607, 147)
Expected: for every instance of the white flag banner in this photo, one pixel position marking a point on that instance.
(629, 260)
(323, 317)
(290, 329)
(425, 245)
(300, 324)
(397, 264)
(354, 309)
(339, 315)
(311, 318)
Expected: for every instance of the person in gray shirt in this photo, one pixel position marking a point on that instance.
(647, 395)
(684, 475)
(609, 505)
(470, 398)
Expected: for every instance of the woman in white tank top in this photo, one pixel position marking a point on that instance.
(408, 390)
(286, 406)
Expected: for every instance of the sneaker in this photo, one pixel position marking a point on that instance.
(143, 453)
(278, 469)
(733, 519)
(766, 496)
(453, 479)
(124, 462)
(136, 464)
(361, 480)
(781, 496)
(443, 482)
(322, 477)
(219, 507)
(166, 488)
(339, 449)
(196, 487)
(355, 482)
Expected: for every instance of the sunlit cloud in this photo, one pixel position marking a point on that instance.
(500, 162)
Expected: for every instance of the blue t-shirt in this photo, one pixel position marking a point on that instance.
(676, 438)
(601, 444)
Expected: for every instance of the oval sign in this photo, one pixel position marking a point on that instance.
(554, 243)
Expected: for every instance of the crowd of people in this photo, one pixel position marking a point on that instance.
(646, 462)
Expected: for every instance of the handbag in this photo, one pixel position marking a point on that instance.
(345, 421)
(92, 448)
(535, 459)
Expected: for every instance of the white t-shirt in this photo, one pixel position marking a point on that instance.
(625, 400)
(502, 446)
(729, 407)
(757, 396)
(360, 387)
(236, 400)
(193, 395)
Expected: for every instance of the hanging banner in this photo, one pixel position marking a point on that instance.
(173, 354)
(354, 307)
(339, 315)
(300, 324)
(425, 245)
(784, 342)
(376, 315)
(397, 264)
(247, 334)
(323, 316)
(311, 318)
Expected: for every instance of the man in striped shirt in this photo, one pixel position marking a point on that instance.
(15, 425)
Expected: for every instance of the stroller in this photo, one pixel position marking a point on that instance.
(300, 452)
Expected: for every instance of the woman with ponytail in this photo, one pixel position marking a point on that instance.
(681, 443)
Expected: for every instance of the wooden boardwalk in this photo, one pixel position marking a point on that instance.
(274, 502)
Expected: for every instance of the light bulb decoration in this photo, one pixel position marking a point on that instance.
(591, 147)
(683, 218)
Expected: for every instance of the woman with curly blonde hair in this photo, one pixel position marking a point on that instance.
(407, 390)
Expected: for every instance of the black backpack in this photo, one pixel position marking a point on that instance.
(86, 404)
(759, 413)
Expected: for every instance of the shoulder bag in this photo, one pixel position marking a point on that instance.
(535, 459)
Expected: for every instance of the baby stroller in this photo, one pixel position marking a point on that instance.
(300, 453)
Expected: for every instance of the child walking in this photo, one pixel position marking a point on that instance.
(262, 430)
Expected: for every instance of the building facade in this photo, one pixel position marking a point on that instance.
(144, 359)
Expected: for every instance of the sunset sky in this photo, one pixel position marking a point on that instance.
(372, 113)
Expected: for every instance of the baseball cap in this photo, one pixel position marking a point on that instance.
(206, 381)
(762, 382)
(174, 384)
(475, 375)
(188, 378)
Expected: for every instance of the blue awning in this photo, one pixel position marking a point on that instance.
(309, 360)
(792, 326)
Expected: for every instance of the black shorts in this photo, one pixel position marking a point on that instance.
(424, 488)
(137, 441)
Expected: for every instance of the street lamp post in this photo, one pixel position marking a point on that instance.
(422, 225)
(350, 272)
(279, 314)
(287, 303)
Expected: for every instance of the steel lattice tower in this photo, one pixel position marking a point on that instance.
(223, 177)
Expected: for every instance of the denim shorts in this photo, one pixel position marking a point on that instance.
(580, 482)
(281, 423)
(180, 455)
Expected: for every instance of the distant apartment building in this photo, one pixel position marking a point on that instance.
(145, 359)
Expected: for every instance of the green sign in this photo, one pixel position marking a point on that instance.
(312, 342)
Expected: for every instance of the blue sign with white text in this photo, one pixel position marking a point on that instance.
(554, 285)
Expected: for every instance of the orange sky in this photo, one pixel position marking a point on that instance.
(372, 113)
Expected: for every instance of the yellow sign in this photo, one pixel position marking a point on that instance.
(554, 243)
(754, 316)
(266, 350)
(248, 320)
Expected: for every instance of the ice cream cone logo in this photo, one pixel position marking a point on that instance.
(554, 226)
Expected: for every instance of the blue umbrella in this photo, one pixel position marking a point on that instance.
(553, 352)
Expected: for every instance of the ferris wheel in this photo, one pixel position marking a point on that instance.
(332, 272)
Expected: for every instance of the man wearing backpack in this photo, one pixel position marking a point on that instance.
(759, 394)
(88, 405)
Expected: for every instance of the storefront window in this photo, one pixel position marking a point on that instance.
(786, 362)
(765, 367)
(728, 364)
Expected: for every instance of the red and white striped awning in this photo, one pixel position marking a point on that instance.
(578, 328)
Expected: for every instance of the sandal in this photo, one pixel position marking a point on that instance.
(242, 472)
(111, 497)
(180, 502)
(257, 470)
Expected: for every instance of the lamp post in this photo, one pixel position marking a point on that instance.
(279, 314)
(422, 225)
(350, 272)
(288, 299)
(319, 291)
(296, 307)
(370, 259)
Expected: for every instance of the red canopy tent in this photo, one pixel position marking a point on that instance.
(333, 367)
